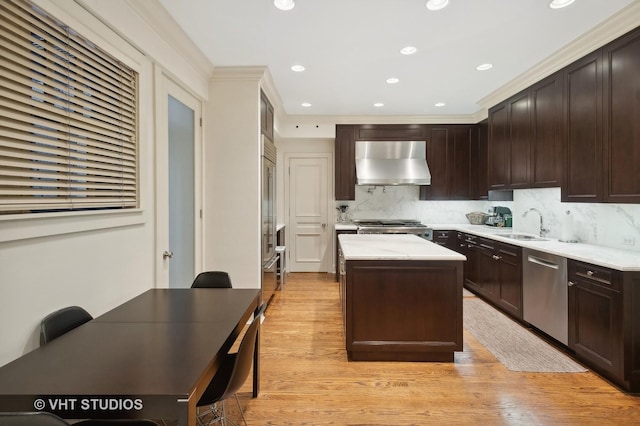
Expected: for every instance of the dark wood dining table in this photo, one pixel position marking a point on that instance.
(151, 357)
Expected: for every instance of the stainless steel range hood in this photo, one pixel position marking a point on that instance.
(392, 163)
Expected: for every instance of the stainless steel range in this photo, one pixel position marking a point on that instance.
(394, 226)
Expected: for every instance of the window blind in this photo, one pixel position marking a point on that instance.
(68, 121)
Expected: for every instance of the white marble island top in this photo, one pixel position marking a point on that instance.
(393, 247)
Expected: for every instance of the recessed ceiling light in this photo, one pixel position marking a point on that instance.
(298, 68)
(284, 4)
(559, 4)
(437, 4)
(393, 80)
(440, 104)
(378, 105)
(484, 67)
(409, 50)
(306, 104)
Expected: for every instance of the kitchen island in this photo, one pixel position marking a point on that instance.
(401, 298)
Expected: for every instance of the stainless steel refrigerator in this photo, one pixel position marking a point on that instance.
(269, 256)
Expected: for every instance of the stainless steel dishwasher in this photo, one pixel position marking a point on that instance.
(545, 293)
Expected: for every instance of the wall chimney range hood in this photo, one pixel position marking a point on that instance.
(392, 163)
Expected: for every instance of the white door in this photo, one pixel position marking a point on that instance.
(178, 185)
(308, 200)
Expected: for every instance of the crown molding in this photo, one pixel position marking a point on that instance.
(387, 119)
(244, 73)
(622, 22)
(166, 28)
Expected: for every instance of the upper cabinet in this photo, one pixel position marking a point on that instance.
(454, 157)
(345, 162)
(621, 120)
(449, 159)
(545, 100)
(479, 158)
(499, 147)
(583, 130)
(577, 129)
(266, 116)
(525, 138)
(602, 129)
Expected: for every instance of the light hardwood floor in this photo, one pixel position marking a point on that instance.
(307, 380)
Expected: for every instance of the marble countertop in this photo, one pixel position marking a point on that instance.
(621, 260)
(393, 247)
(346, 226)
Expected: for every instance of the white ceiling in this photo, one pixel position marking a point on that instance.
(350, 48)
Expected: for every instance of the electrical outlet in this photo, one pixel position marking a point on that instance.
(629, 241)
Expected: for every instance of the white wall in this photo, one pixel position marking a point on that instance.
(232, 179)
(93, 260)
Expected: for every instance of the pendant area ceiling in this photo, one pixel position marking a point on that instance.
(349, 48)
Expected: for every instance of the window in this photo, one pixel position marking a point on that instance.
(68, 118)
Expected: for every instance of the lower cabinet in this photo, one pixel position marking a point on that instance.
(446, 238)
(595, 316)
(604, 321)
(494, 272)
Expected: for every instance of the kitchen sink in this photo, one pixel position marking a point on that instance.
(524, 237)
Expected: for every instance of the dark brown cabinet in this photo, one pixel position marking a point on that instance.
(583, 130)
(525, 142)
(604, 321)
(449, 158)
(595, 316)
(621, 121)
(519, 134)
(499, 162)
(479, 158)
(602, 130)
(496, 272)
(510, 271)
(345, 162)
(446, 238)
(452, 154)
(546, 132)
(266, 116)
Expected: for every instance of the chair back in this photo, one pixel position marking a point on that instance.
(244, 356)
(212, 279)
(31, 419)
(61, 321)
(235, 368)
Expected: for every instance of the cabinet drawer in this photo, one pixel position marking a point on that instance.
(487, 243)
(440, 235)
(594, 274)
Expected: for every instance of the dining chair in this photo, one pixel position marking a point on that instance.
(212, 279)
(61, 321)
(230, 377)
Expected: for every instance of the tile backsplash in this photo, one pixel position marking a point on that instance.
(611, 225)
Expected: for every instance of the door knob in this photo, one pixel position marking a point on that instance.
(167, 254)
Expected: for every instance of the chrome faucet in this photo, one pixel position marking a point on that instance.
(543, 230)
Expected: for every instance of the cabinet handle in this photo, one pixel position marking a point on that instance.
(590, 273)
(496, 257)
(571, 283)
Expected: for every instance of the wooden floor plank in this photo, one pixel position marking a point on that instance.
(307, 380)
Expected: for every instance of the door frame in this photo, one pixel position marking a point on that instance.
(165, 85)
(330, 200)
